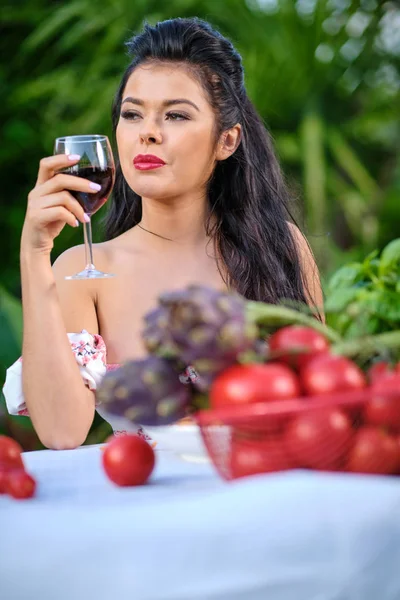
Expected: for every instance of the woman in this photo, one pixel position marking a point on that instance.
(199, 198)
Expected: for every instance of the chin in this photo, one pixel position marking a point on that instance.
(151, 191)
(151, 188)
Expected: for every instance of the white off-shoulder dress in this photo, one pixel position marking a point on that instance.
(91, 356)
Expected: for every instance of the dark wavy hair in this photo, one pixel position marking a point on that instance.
(247, 195)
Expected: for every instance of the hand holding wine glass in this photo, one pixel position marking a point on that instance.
(60, 197)
(50, 207)
(95, 164)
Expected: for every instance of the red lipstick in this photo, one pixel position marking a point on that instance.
(145, 162)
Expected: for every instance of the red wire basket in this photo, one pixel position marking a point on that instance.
(356, 431)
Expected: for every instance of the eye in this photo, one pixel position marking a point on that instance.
(176, 116)
(130, 115)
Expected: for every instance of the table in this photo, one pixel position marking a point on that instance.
(189, 535)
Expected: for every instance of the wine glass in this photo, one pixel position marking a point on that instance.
(97, 165)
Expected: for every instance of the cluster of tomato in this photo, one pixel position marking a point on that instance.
(14, 480)
(322, 431)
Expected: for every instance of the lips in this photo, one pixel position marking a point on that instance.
(145, 162)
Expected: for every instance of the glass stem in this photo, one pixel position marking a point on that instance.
(87, 229)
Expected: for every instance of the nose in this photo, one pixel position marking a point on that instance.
(151, 137)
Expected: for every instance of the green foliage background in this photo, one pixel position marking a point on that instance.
(324, 74)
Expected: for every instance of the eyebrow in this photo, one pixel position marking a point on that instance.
(166, 103)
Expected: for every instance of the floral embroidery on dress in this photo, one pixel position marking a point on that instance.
(189, 375)
(140, 433)
(90, 354)
(86, 350)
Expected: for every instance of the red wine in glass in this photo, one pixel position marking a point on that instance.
(96, 164)
(104, 177)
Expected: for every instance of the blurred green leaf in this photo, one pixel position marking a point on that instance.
(351, 164)
(345, 276)
(313, 153)
(370, 265)
(57, 21)
(390, 259)
(10, 330)
(385, 305)
(338, 299)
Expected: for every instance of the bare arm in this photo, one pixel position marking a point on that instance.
(59, 404)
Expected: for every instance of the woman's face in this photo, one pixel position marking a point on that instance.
(165, 114)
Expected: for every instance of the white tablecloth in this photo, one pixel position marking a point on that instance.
(190, 536)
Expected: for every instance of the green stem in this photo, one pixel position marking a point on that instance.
(368, 344)
(272, 315)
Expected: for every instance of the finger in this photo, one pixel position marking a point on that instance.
(55, 214)
(51, 164)
(64, 199)
(63, 181)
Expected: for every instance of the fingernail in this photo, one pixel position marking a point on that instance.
(86, 218)
(77, 223)
(74, 156)
(95, 186)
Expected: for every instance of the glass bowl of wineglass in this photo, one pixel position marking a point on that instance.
(96, 164)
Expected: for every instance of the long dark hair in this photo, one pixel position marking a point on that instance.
(247, 195)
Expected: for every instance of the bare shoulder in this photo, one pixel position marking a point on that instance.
(68, 261)
(78, 298)
(303, 247)
(105, 256)
(299, 238)
(309, 268)
(73, 259)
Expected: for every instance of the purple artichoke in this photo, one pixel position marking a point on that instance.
(146, 392)
(201, 327)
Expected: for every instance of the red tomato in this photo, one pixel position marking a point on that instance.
(319, 439)
(10, 453)
(128, 460)
(20, 484)
(398, 447)
(4, 471)
(298, 344)
(250, 457)
(388, 383)
(245, 384)
(383, 408)
(378, 370)
(327, 374)
(274, 425)
(374, 451)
